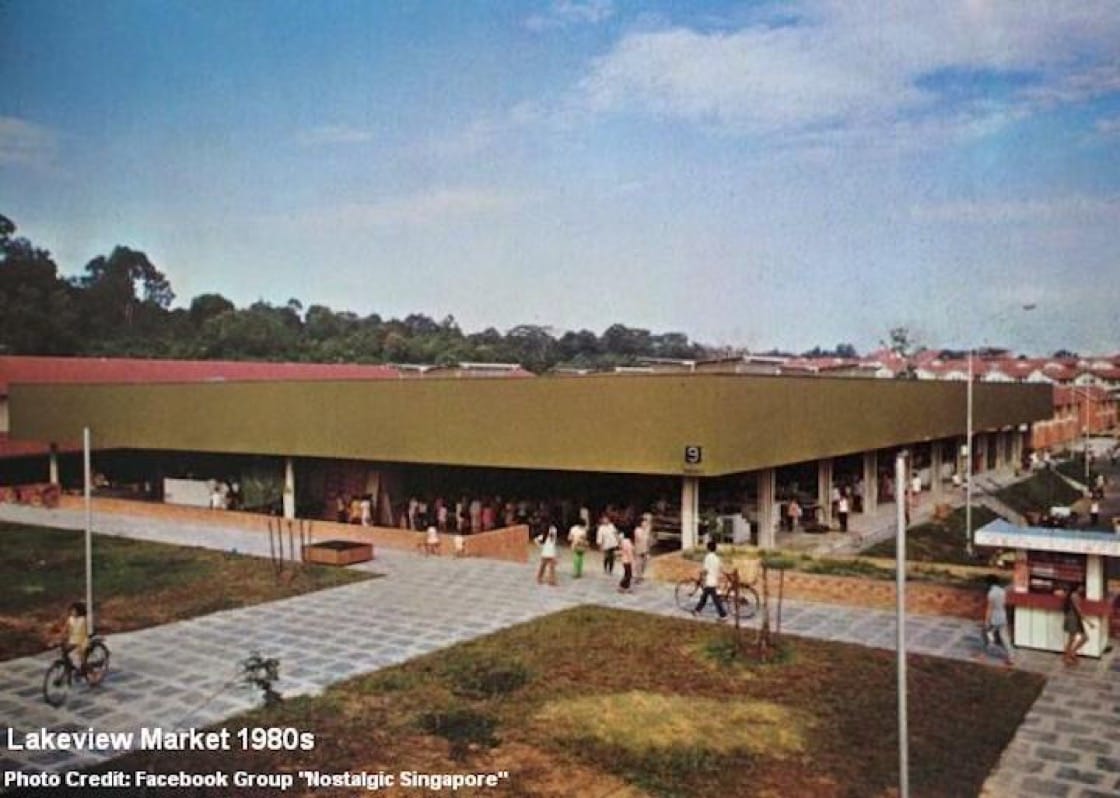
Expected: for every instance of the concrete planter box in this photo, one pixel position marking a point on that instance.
(338, 552)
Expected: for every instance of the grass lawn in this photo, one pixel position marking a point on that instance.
(939, 541)
(1074, 468)
(1039, 493)
(136, 583)
(593, 701)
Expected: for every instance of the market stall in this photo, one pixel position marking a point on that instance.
(1047, 563)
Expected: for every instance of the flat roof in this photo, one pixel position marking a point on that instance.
(639, 424)
(1005, 535)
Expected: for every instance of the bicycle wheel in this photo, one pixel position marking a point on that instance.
(97, 663)
(748, 602)
(56, 683)
(685, 594)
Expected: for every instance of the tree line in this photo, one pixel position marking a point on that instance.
(120, 306)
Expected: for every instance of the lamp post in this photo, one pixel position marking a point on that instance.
(87, 490)
(1085, 435)
(968, 462)
(900, 471)
(968, 445)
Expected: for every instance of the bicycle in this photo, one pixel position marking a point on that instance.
(61, 673)
(687, 594)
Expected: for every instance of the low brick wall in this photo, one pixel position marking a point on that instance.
(922, 598)
(509, 543)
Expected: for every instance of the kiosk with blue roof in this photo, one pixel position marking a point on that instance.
(1048, 563)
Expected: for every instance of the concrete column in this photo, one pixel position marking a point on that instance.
(870, 481)
(690, 512)
(289, 488)
(1017, 443)
(935, 466)
(767, 515)
(52, 466)
(981, 454)
(824, 490)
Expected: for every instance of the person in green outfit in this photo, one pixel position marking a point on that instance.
(577, 538)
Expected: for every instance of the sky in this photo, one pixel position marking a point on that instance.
(754, 174)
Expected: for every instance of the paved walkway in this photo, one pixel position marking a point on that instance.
(173, 676)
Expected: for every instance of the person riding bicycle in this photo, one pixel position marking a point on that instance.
(76, 627)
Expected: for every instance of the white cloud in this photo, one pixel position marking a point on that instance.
(325, 135)
(847, 63)
(24, 143)
(565, 13)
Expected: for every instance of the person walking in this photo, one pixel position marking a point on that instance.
(842, 511)
(995, 619)
(643, 533)
(577, 539)
(793, 511)
(710, 574)
(1073, 623)
(547, 567)
(626, 547)
(607, 538)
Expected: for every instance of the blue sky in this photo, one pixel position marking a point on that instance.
(753, 174)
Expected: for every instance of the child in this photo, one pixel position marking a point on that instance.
(547, 542)
(627, 548)
(577, 537)
(431, 544)
(77, 634)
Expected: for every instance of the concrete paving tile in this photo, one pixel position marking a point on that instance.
(1036, 786)
(1109, 764)
(1080, 776)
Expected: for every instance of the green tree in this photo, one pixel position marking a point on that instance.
(123, 295)
(618, 339)
(207, 306)
(901, 342)
(38, 313)
(532, 346)
(260, 332)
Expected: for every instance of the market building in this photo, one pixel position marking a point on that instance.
(688, 444)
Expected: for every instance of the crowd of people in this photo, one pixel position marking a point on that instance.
(473, 514)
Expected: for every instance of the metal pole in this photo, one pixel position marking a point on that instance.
(89, 530)
(1085, 435)
(968, 464)
(900, 593)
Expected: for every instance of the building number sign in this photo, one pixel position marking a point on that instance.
(693, 455)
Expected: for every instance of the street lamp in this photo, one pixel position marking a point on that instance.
(1085, 433)
(968, 448)
(968, 462)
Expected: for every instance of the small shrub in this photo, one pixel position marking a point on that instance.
(485, 676)
(462, 727)
(723, 651)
